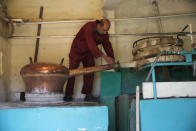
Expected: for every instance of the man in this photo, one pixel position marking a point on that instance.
(84, 49)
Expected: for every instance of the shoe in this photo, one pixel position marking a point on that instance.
(68, 98)
(91, 98)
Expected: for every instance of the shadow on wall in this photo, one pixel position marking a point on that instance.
(2, 91)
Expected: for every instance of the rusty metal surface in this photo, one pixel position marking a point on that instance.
(153, 42)
(164, 58)
(145, 50)
(155, 50)
(44, 68)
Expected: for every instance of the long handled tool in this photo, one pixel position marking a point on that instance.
(38, 34)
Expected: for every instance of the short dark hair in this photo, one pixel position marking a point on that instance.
(100, 22)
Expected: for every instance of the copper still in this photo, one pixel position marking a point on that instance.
(45, 81)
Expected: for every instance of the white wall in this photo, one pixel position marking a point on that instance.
(55, 10)
(142, 8)
(4, 57)
(4, 64)
(2, 83)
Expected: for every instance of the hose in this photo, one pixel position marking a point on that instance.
(153, 65)
(182, 33)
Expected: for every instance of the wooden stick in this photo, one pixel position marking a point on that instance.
(38, 34)
(82, 71)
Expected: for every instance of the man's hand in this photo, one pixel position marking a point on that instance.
(108, 59)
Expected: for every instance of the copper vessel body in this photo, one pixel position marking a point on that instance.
(44, 78)
(44, 84)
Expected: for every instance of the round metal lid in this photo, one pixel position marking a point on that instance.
(44, 68)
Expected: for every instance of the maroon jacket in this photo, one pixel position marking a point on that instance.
(86, 41)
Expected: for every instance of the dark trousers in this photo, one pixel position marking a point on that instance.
(87, 61)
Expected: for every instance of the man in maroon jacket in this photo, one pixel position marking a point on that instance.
(84, 49)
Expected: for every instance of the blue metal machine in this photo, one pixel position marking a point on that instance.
(176, 114)
(168, 114)
(188, 62)
(156, 114)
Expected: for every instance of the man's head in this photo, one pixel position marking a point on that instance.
(103, 26)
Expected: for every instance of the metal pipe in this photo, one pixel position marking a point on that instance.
(191, 36)
(38, 34)
(153, 65)
(113, 20)
(111, 35)
(154, 83)
(191, 33)
(155, 17)
(46, 36)
(157, 13)
(137, 108)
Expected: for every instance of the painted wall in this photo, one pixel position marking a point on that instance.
(142, 8)
(4, 55)
(3, 49)
(61, 9)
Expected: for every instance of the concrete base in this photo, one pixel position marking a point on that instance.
(53, 117)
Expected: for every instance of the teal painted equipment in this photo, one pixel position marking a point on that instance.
(128, 80)
(171, 114)
(124, 82)
(188, 62)
(168, 114)
(54, 118)
(110, 88)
